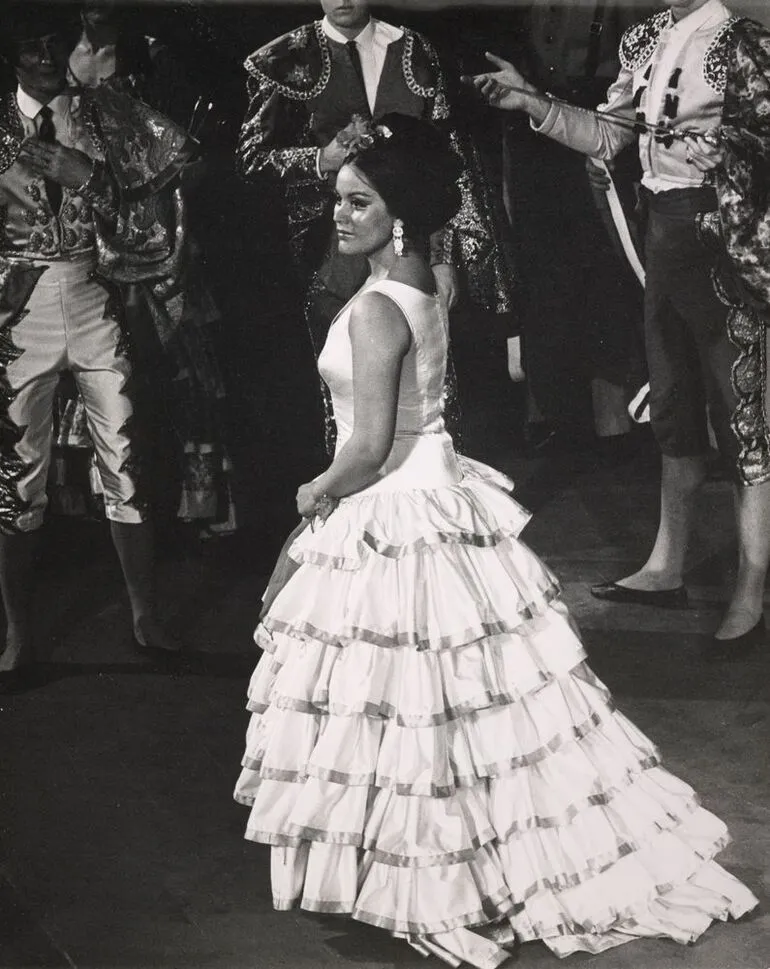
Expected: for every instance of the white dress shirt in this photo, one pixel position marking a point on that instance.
(669, 54)
(30, 108)
(65, 115)
(684, 45)
(372, 43)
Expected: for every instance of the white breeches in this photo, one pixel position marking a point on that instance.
(67, 327)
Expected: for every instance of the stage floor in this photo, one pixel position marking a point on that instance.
(121, 846)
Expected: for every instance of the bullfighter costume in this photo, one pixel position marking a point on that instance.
(60, 259)
(304, 89)
(170, 326)
(706, 71)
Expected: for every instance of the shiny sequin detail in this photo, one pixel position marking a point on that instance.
(133, 467)
(91, 126)
(406, 63)
(639, 42)
(98, 192)
(715, 58)
(11, 132)
(300, 76)
(742, 229)
(297, 85)
(746, 327)
(475, 240)
(12, 468)
(20, 282)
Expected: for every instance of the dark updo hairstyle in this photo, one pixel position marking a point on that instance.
(414, 169)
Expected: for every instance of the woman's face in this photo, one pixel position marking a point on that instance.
(364, 225)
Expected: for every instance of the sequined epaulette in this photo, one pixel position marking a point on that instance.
(416, 44)
(11, 132)
(715, 58)
(297, 64)
(638, 43)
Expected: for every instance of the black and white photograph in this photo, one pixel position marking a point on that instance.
(384, 484)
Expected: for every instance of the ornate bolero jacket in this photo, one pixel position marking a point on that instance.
(742, 182)
(695, 102)
(135, 229)
(740, 232)
(293, 99)
(28, 226)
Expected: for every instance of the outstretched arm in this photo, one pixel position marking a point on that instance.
(585, 131)
(380, 338)
(506, 88)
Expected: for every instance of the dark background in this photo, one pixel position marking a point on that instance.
(275, 410)
(274, 416)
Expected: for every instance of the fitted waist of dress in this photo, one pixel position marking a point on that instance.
(419, 461)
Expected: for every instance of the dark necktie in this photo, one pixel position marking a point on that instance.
(47, 132)
(355, 60)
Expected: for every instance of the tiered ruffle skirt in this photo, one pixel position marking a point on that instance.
(428, 751)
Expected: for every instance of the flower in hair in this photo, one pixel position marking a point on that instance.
(361, 133)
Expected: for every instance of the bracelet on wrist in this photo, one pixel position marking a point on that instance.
(324, 504)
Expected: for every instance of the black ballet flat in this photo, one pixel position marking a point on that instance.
(737, 648)
(662, 598)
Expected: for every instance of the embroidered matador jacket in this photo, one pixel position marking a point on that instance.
(299, 100)
(728, 90)
(121, 213)
(743, 233)
(737, 67)
(132, 215)
(180, 371)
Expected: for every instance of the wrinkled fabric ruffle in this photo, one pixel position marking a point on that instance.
(446, 564)
(428, 751)
(477, 512)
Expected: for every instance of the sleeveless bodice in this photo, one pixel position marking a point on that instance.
(422, 455)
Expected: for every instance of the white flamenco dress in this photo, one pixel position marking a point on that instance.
(428, 751)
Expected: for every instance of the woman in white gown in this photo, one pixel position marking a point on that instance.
(428, 751)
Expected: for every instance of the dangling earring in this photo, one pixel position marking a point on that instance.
(398, 237)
